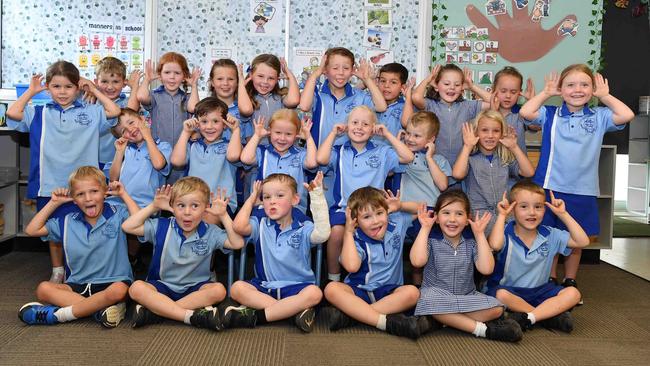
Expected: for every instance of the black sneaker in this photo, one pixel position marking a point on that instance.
(305, 319)
(522, 320)
(553, 280)
(402, 325)
(570, 282)
(143, 316)
(239, 317)
(562, 322)
(506, 330)
(339, 320)
(426, 324)
(206, 318)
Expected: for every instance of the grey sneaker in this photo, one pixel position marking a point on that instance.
(113, 315)
(305, 319)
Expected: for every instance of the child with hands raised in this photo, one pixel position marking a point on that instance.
(570, 130)
(449, 257)
(179, 285)
(490, 157)
(525, 250)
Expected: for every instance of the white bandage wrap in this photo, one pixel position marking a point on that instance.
(321, 217)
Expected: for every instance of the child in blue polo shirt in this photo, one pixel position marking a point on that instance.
(570, 131)
(64, 135)
(98, 273)
(282, 156)
(283, 285)
(525, 256)
(356, 163)
(179, 279)
(374, 292)
(392, 83)
(211, 157)
(110, 78)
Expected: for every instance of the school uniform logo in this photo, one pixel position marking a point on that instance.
(373, 161)
(350, 107)
(396, 113)
(589, 125)
(109, 230)
(221, 149)
(395, 242)
(82, 119)
(294, 240)
(200, 247)
(295, 162)
(543, 250)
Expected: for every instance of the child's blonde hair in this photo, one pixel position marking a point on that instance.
(428, 119)
(502, 152)
(366, 198)
(526, 185)
(87, 173)
(577, 68)
(284, 179)
(286, 114)
(187, 185)
(111, 66)
(371, 113)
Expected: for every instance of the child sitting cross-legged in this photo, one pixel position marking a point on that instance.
(283, 285)
(178, 285)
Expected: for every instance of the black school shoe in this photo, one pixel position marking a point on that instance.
(522, 320)
(339, 320)
(506, 330)
(239, 317)
(570, 282)
(426, 324)
(562, 322)
(143, 316)
(402, 325)
(207, 318)
(305, 319)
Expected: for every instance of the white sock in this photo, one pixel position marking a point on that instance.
(188, 315)
(64, 314)
(334, 277)
(381, 323)
(480, 329)
(531, 317)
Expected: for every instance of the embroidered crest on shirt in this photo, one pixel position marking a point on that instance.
(350, 107)
(373, 161)
(395, 242)
(543, 250)
(294, 240)
(396, 113)
(589, 125)
(221, 149)
(295, 162)
(109, 230)
(82, 119)
(200, 247)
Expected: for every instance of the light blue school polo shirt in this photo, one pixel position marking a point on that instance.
(282, 257)
(381, 260)
(138, 175)
(245, 125)
(357, 169)
(392, 119)
(93, 254)
(328, 111)
(291, 163)
(60, 142)
(518, 266)
(209, 163)
(415, 182)
(106, 138)
(179, 262)
(571, 145)
(450, 137)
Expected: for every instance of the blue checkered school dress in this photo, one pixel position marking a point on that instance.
(448, 285)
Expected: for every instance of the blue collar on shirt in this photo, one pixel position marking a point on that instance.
(362, 236)
(201, 141)
(400, 99)
(161, 89)
(326, 89)
(76, 104)
(134, 145)
(292, 150)
(515, 108)
(541, 230)
(369, 146)
(564, 111)
(201, 229)
(121, 97)
(107, 212)
(295, 223)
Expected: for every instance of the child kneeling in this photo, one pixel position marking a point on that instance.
(284, 281)
(98, 273)
(178, 284)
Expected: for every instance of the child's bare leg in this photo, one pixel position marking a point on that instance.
(206, 295)
(565, 300)
(342, 296)
(334, 245)
(513, 302)
(458, 321)
(403, 298)
(62, 295)
(248, 295)
(486, 315)
(148, 296)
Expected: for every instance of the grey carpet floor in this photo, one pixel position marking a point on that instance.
(612, 328)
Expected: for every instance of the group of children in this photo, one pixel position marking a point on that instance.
(240, 166)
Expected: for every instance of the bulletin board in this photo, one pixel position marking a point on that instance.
(535, 36)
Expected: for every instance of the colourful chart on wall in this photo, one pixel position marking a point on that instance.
(535, 36)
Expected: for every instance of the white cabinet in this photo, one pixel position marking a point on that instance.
(638, 175)
(9, 196)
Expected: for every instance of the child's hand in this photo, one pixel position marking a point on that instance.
(380, 130)
(392, 200)
(401, 135)
(134, 79)
(194, 77)
(145, 130)
(305, 129)
(260, 130)
(284, 68)
(362, 71)
(339, 129)
(556, 205)
(240, 74)
(36, 83)
(120, 144)
(552, 84)
(256, 189)
(431, 149)
(407, 87)
(321, 67)
(115, 188)
(470, 139)
(317, 182)
(149, 72)
(190, 125)
(219, 203)
(161, 199)
(509, 140)
(468, 83)
(479, 224)
(87, 85)
(494, 102)
(426, 217)
(602, 86)
(231, 122)
(60, 196)
(434, 74)
(529, 93)
(350, 223)
(89, 97)
(504, 208)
